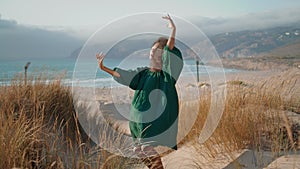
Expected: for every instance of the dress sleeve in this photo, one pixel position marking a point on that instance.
(130, 78)
(172, 63)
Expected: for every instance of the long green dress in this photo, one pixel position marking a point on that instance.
(154, 108)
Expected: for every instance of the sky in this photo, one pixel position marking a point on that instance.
(59, 27)
(76, 13)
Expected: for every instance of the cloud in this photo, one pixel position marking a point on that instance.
(250, 21)
(20, 41)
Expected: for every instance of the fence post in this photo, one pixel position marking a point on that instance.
(197, 65)
(25, 77)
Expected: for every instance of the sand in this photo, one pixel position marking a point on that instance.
(285, 162)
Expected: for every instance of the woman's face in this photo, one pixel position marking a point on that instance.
(155, 56)
(156, 51)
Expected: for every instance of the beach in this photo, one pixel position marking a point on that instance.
(259, 121)
(115, 105)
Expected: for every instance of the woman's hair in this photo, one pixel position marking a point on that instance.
(162, 42)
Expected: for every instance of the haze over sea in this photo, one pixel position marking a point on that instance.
(64, 68)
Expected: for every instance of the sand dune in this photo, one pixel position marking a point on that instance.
(112, 101)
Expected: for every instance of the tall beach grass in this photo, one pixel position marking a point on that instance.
(255, 117)
(40, 128)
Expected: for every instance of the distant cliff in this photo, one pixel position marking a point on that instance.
(252, 43)
(241, 44)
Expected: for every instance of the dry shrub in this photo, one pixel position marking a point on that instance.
(40, 129)
(252, 116)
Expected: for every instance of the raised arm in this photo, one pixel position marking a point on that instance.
(100, 58)
(171, 40)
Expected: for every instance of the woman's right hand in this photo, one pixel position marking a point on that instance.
(100, 58)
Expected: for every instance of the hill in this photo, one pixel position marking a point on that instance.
(24, 41)
(280, 58)
(252, 43)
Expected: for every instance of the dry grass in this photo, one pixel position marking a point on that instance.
(40, 129)
(253, 117)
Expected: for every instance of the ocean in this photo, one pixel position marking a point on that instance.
(65, 67)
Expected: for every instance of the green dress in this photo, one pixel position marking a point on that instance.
(154, 108)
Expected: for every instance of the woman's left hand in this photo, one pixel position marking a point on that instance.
(171, 23)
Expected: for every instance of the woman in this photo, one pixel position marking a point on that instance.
(154, 108)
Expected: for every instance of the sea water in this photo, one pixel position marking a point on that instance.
(64, 68)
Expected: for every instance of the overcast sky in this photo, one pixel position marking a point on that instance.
(21, 20)
(76, 14)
